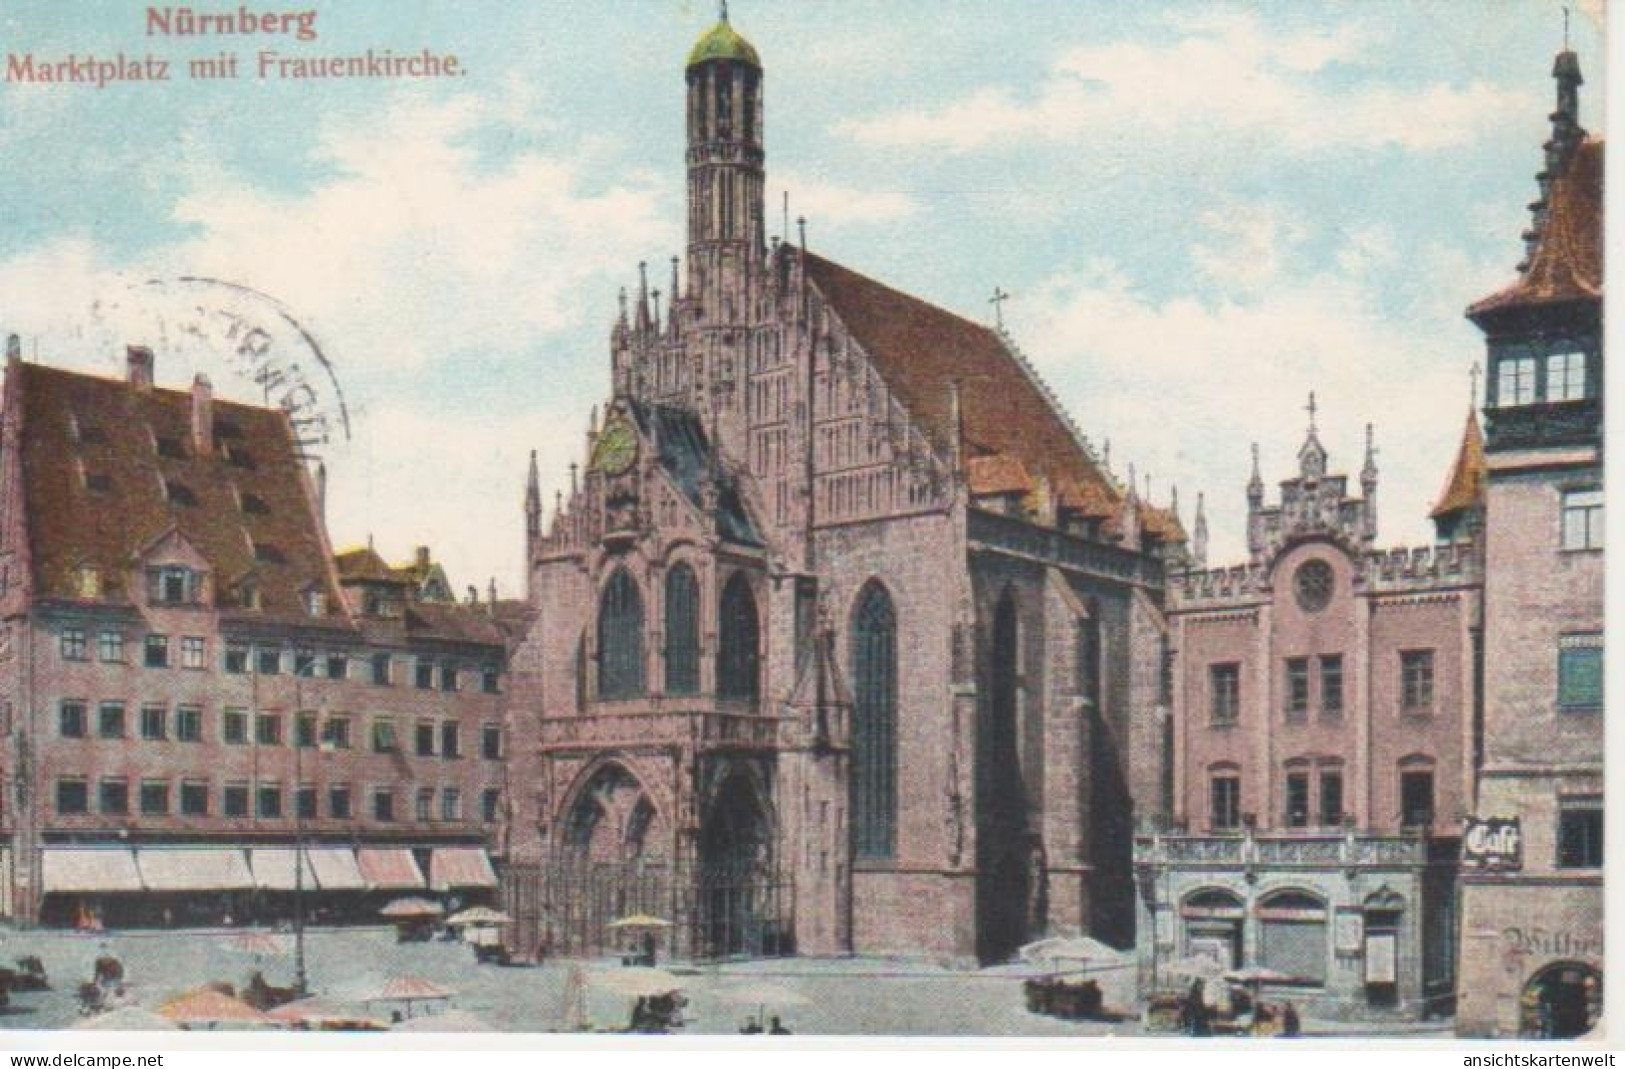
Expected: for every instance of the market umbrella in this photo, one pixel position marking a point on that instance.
(410, 989)
(1196, 967)
(321, 1013)
(1063, 948)
(637, 982)
(638, 920)
(1256, 974)
(126, 1019)
(257, 943)
(205, 1005)
(478, 915)
(406, 908)
(450, 1021)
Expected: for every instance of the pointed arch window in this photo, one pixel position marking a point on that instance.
(620, 638)
(682, 631)
(874, 724)
(738, 642)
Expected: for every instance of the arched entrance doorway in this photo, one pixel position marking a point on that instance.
(613, 860)
(1561, 1001)
(1007, 854)
(739, 911)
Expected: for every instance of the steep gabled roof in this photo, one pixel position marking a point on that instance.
(687, 457)
(919, 349)
(108, 468)
(364, 565)
(1464, 486)
(1567, 264)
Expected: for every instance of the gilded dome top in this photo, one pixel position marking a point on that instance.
(723, 42)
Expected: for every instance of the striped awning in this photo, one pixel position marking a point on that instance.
(389, 869)
(89, 869)
(185, 868)
(335, 868)
(274, 869)
(460, 866)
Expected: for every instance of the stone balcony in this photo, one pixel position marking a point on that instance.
(646, 723)
(1311, 849)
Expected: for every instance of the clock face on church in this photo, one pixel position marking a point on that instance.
(617, 448)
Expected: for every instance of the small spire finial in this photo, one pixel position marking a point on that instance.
(722, 12)
(1565, 25)
(997, 301)
(1311, 408)
(801, 225)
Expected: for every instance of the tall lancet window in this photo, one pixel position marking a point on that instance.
(738, 642)
(682, 631)
(620, 638)
(725, 102)
(874, 724)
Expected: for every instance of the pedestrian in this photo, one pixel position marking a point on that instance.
(752, 1027)
(1290, 1025)
(778, 1028)
(649, 949)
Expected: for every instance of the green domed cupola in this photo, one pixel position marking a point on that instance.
(723, 42)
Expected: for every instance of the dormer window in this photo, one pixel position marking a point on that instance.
(239, 457)
(1566, 376)
(173, 584)
(1515, 381)
(180, 494)
(255, 505)
(250, 596)
(264, 551)
(88, 579)
(315, 603)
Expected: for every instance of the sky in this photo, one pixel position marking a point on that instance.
(1202, 213)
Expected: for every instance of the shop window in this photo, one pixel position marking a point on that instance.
(1292, 935)
(113, 797)
(234, 800)
(270, 801)
(154, 798)
(338, 802)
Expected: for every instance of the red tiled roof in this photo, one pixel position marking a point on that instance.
(920, 348)
(1464, 487)
(452, 622)
(120, 429)
(1568, 261)
(364, 565)
(1161, 524)
(997, 474)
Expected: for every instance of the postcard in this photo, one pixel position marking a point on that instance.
(1054, 518)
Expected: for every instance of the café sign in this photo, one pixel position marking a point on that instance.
(1492, 843)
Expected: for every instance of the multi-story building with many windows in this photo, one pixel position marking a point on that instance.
(1322, 699)
(1532, 927)
(194, 694)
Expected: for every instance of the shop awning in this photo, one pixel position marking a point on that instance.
(460, 866)
(89, 869)
(335, 868)
(389, 869)
(274, 871)
(182, 868)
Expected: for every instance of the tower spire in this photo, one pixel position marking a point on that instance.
(642, 311)
(533, 499)
(1199, 533)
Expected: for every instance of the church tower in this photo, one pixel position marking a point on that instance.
(726, 238)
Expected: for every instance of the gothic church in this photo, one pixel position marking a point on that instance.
(844, 639)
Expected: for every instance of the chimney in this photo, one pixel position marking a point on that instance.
(202, 413)
(138, 360)
(14, 349)
(422, 557)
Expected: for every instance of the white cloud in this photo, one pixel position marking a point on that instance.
(1215, 75)
(1182, 386)
(1246, 246)
(828, 203)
